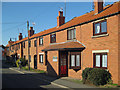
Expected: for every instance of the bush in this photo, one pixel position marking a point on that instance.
(23, 62)
(85, 74)
(96, 76)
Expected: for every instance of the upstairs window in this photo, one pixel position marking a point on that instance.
(100, 60)
(71, 34)
(100, 28)
(35, 43)
(41, 41)
(53, 38)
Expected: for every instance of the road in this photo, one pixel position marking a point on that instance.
(14, 79)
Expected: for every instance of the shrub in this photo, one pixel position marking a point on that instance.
(23, 62)
(85, 74)
(97, 76)
(17, 61)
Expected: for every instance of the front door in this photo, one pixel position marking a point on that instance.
(35, 61)
(63, 64)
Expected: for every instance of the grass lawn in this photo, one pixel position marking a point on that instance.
(34, 70)
(110, 86)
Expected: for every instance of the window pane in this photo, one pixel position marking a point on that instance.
(74, 33)
(41, 58)
(69, 36)
(97, 28)
(77, 60)
(104, 26)
(41, 40)
(98, 60)
(104, 60)
(72, 60)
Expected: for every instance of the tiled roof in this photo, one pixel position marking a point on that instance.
(108, 10)
(7, 45)
(64, 46)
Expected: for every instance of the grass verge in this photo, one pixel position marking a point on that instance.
(33, 70)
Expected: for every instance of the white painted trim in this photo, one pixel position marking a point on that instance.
(102, 35)
(99, 20)
(81, 43)
(100, 51)
(41, 53)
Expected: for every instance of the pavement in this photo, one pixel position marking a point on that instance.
(15, 78)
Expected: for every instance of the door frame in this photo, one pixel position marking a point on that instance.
(60, 63)
(34, 61)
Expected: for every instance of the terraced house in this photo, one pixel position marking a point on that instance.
(90, 40)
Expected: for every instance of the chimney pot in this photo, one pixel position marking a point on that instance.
(31, 28)
(30, 32)
(20, 36)
(61, 13)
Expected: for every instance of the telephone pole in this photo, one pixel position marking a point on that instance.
(28, 46)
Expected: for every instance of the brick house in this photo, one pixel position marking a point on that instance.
(90, 40)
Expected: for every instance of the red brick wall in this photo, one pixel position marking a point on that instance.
(84, 34)
(119, 50)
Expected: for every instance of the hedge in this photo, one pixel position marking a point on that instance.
(96, 76)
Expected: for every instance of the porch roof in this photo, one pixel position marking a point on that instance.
(64, 46)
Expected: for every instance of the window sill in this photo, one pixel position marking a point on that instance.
(52, 43)
(41, 45)
(102, 35)
(75, 67)
(101, 67)
(41, 63)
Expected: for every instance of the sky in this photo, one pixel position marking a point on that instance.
(43, 14)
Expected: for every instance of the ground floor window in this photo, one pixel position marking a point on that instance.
(41, 58)
(100, 60)
(75, 60)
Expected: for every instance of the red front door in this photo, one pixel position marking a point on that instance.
(63, 63)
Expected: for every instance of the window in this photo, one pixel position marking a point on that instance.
(75, 60)
(41, 41)
(41, 58)
(100, 28)
(29, 43)
(100, 60)
(71, 34)
(35, 43)
(53, 38)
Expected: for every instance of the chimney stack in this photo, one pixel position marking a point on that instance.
(31, 32)
(98, 6)
(60, 19)
(20, 36)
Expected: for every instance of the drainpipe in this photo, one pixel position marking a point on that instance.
(82, 51)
